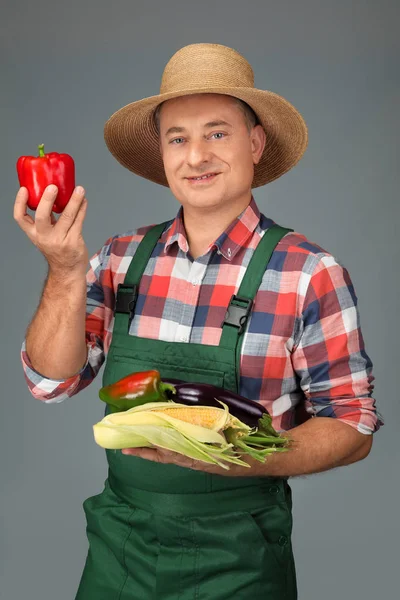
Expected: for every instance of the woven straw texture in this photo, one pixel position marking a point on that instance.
(131, 134)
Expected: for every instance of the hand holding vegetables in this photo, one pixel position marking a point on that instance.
(60, 241)
(208, 434)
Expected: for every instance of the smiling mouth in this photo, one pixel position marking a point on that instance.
(205, 177)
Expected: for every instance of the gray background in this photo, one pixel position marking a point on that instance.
(65, 68)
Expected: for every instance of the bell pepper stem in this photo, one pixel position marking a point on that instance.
(41, 150)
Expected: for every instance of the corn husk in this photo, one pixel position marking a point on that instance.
(182, 429)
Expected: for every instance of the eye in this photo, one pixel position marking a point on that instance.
(218, 133)
(175, 140)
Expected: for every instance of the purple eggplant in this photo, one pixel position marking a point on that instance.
(205, 394)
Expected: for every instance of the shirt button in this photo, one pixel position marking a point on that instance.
(195, 282)
(184, 338)
(273, 490)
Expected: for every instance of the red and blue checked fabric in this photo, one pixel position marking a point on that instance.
(302, 345)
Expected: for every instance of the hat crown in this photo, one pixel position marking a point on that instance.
(206, 65)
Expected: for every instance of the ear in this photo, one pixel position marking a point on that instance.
(258, 139)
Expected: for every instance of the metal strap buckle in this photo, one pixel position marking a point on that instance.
(236, 314)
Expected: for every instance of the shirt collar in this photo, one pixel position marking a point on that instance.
(228, 243)
(176, 233)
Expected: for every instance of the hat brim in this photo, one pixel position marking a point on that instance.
(132, 138)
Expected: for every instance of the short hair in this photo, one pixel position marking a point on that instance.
(249, 114)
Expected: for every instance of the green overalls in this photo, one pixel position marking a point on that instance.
(163, 532)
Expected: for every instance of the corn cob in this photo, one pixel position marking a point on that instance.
(202, 432)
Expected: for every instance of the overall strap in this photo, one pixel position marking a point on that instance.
(240, 305)
(127, 292)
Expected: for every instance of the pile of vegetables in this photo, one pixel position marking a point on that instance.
(204, 422)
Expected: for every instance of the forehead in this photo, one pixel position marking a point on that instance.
(198, 105)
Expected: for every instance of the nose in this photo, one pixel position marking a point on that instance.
(197, 153)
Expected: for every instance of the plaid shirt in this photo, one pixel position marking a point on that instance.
(302, 343)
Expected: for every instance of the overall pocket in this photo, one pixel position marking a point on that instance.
(272, 527)
(273, 536)
(125, 365)
(239, 559)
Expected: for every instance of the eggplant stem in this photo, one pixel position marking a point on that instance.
(164, 387)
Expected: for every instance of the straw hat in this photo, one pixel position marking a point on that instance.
(132, 137)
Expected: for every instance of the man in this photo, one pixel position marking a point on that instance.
(166, 526)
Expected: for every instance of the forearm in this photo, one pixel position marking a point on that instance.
(320, 444)
(55, 339)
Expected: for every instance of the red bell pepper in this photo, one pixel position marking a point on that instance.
(135, 389)
(37, 172)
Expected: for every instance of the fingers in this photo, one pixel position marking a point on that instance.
(147, 453)
(70, 212)
(68, 215)
(77, 225)
(161, 455)
(43, 211)
(24, 220)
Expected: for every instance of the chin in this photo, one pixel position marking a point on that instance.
(198, 198)
(202, 201)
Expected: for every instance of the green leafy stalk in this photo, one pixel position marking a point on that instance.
(265, 426)
(260, 442)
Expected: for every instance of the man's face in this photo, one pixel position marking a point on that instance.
(207, 134)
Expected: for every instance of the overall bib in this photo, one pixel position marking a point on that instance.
(164, 532)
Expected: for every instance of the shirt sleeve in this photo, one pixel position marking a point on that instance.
(329, 354)
(56, 390)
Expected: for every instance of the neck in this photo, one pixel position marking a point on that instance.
(204, 226)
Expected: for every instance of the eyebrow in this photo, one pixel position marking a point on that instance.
(209, 125)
